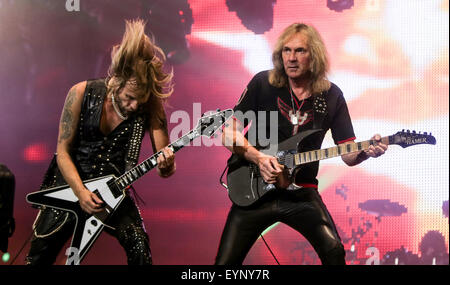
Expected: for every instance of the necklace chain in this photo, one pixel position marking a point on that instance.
(295, 117)
(117, 108)
(292, 100)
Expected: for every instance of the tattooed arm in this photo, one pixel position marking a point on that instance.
(68, 125)
(159, 137)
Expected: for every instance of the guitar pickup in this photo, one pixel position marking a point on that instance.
(115, 190)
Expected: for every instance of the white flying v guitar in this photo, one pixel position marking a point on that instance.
(112, 190)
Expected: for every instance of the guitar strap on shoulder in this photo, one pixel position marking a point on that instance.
(134, 149)
(319, 109)
(134, 146)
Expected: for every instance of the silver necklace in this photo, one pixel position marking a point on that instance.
(117, 108)
(295, 115)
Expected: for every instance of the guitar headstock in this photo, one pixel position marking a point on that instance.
(208, 124)
(409, 138)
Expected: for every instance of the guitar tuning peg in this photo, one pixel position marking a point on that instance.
(403, 130)
(425, 133)
(407, 131)
(218, 110)
(413, 132)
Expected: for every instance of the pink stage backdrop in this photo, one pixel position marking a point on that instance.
(390, 58)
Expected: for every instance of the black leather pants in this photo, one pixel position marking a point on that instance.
(129, 231)
(303, 210)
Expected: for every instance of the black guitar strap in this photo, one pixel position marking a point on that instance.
(134, 146)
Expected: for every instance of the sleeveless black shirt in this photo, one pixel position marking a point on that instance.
(96, 154)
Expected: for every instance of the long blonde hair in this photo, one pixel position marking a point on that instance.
(140, 61)
(318, 61)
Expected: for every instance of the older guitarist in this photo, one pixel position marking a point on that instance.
(298, 78)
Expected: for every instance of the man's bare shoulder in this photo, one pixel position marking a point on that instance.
(79, 87)
(76, 92)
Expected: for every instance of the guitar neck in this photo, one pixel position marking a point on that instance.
(142, 168)
(339, 150)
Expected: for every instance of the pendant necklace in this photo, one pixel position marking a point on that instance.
(293, 114)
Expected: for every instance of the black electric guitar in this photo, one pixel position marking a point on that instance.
(111, 190)
(246, 186)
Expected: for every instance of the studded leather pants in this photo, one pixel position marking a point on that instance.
(303, 210)
(55, 227)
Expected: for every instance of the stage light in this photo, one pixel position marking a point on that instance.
(170, 22)
(36, 152)
(5, 257)
(255, 15)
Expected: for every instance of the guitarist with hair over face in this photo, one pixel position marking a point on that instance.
(100, 133)
(297, 89)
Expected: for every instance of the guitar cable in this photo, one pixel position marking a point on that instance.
(263, 239)
(40, 236)
(23, 246)
(221, 177)
(33, 233)
(268, 247)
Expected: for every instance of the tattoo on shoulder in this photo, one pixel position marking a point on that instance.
(67, 116)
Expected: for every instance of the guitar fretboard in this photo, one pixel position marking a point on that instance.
(341, 149)
(142, 168)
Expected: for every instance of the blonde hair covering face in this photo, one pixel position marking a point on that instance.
(139, 62)
(318, 58)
